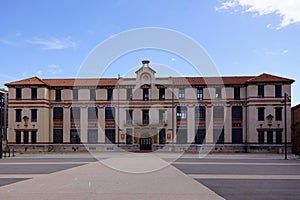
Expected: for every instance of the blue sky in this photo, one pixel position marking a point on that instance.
(242, 37)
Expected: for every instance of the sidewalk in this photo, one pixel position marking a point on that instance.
(150, 178)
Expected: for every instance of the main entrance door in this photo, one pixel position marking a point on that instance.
(146, 143)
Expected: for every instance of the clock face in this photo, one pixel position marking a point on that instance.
(145, 77)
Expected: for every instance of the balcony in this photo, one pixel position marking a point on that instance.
(145, 123)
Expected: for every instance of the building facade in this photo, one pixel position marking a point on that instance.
(151, 113)
(296, 128)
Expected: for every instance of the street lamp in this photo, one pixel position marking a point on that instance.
(285, 126)
(2, 103)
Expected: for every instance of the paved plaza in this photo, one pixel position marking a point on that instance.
(149, 176)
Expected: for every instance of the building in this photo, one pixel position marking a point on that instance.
(3, 120)
(240, 113)
(296, 128)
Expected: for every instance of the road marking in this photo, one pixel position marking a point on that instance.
(221, 176)
(43, 163)
(237, 163)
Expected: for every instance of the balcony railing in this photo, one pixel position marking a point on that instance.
(145, 122)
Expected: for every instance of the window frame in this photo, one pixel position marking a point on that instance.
(261, 91)
(34, 93)
(34, 115)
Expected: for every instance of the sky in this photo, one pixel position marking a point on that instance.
(53, 38)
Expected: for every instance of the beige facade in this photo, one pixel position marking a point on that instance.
(150, 112)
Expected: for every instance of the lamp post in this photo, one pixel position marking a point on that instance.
(2, 103)
(285, 127)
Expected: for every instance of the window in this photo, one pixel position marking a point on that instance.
(109, 94)
(109, 113)
(270, 137)
(129, 94)
(278, 114)
(75, 94)
(74, 136)
(34, 115)
(58, 113)
(75, 113)
(18, 137)
(129, 136)
(57, 136)
(25, 137)
(181, 93)
(145, 94)
(237, 93)
(200, 136)
(218, 112)
(18, 115)
(110, 136)
(33, 137)
(200, 112)
(261, 91)
(218, 93)
(129, 116)
(181, 112)
(261, 114)
(181, 136)
(18, 93)
(162, 136)
(145, 117)
(33, 93)
(218, 135)
(278, 91)
(58, 95)
(92, 113)
(278, 136)
(161, 94)
(92, 94)
(199, 93)
(237, 136)
(261, 137)
(162, 116)
(92, 136)
(237, 112)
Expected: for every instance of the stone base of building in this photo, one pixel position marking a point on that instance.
(191, 148)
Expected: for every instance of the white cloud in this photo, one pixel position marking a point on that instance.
(285, 51)
(54, 43)
(38, 73)
(24, 73)
(173, 59)
(54, 69)
(288, 10)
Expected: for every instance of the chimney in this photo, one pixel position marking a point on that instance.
(145, 63)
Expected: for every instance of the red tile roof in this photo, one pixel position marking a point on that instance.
(269, 78)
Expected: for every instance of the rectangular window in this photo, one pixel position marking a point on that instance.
(237, 112)
(18, 115)
(200, 112)
(181, 112)
(33, 137)
(110, 136)
(74, 136)
(181, 136)
(181, 93)
(260, 91)
(237, 93)
(218, 93)
(18, 93)
(33, 93)
(237, 136)
(129, 116)
(278, 91)
(200, 136)
(278, 114)
(145, 94)
(34, 115)
(129, 137)
(161, 94)
(261, 114)
(92, 136)
(58, 95)
(75, 113)
(75, 94)
(261, 137)
(92, 113)
(57, 136)
(162, 136)
(129, 94)
(92, 94)
(270, 137)
(199, 93)
(162, 116)
(218, 135)
(109, 94)
(109, 113)
(218, 112)
(58, 113)
(25, 137)
(145, 117)
(279, 137)
(18, 137)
